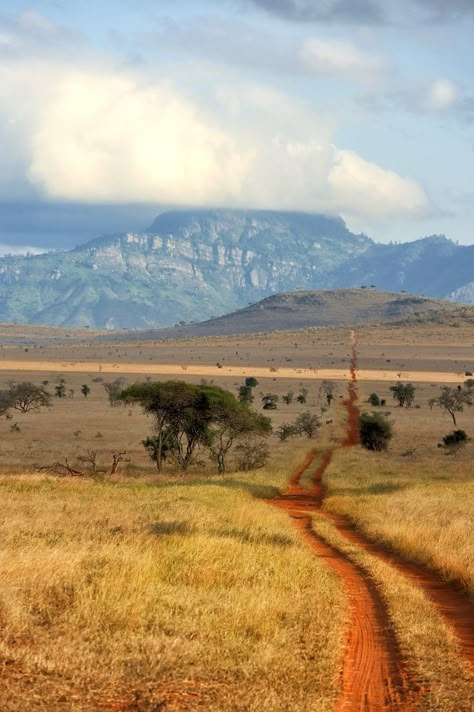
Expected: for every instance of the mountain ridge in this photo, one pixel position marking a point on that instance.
(196, 264)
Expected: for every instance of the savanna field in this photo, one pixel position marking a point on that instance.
(144, 590)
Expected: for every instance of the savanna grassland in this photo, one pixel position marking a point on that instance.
(146, 591)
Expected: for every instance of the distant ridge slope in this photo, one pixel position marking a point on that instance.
(297, 310)
(192, 265)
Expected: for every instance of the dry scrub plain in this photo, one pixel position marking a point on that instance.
(146, 592)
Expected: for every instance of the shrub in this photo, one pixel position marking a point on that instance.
(375, 431)
(252, 454)
(373, 399)
(307, 424)
(455, 439)
(285, 431)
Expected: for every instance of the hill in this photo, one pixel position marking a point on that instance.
(297, 310)
(193, 265)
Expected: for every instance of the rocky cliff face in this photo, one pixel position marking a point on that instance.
(190, 266)
(187, 266)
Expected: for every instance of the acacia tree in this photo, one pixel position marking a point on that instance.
(230, 421)
(404, 393)
(188, 416)
(25, 397)
(453, 400)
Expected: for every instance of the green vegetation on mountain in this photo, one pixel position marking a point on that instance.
(191, 266)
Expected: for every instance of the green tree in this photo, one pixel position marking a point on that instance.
(404, 393)
(375, 431)
(188, 416)
(25, 397)
(85, 390)
(251, 382)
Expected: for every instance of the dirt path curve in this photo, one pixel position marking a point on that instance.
(375, 675)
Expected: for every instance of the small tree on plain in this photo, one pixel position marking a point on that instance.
(85, 390)
(114, 389)
(269, 401)
(302, 396)
(453, 400)
(60, 389)
(375, 431)
(327, 391)
(245, 394)
(404, 393)
(25, 397)
(307, 424)
(373, 399)
(286, 431)
(251, 382)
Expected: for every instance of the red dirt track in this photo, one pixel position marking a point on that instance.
(375, 675)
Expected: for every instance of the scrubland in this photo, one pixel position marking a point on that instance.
(147, 591)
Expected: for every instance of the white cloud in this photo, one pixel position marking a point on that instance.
(338, 58)
(92, 133)
(440, 95)
(352, 180)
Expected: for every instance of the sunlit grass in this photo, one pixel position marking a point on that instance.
(108, 588)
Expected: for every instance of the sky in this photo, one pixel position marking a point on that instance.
(111, 112)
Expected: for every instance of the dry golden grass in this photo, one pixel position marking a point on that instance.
(423, 636)
(422, 508)
(192, 589)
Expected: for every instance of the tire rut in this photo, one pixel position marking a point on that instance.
(375, 675)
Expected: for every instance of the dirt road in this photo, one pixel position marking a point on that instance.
(375, 675)
(336, 374)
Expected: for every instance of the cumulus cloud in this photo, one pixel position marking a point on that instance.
(338, 58)
(97, 134)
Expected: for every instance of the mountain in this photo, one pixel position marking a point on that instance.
(193, 265)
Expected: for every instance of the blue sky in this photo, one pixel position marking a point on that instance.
(113, 111)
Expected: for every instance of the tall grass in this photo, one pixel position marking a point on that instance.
(113, 591)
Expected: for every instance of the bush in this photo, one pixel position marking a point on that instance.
(252, 454)
(455, 439)
(307, 424)
(373, 399)
(285, 431)
(375, 431)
